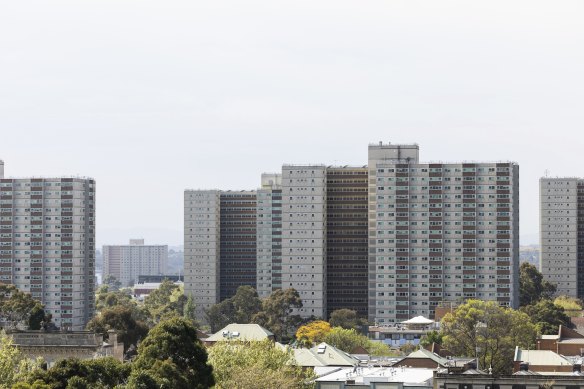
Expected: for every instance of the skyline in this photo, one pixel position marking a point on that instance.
(201, 96)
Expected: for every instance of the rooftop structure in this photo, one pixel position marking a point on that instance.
(376, 378)
(240, 332)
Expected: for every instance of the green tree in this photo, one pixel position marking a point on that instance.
(17, 307)
(348, 340)
(431, 337)
(14, 366)
(165, 302)
(189, 311)
(276, 314)
(313, 332)
(347, 318)
(547, 316)
(70, 373)
(260, 365)
(492, 330)
(112, 282)
(237, 309)
(532, 286)
(220, 315)
(107, 298)
(572, 306)
(122, 320)
(172, 356)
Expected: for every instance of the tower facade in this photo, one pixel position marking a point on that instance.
(562, 234)
(47, 244)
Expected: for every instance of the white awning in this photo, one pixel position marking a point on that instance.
(418, 320)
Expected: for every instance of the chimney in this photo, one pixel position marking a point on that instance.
(1, 169)
(524, 366)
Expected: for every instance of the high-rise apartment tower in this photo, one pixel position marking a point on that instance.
(47, 243)
(562, 234)
(127, 262)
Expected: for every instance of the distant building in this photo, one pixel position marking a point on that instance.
(561, 232)
(159, 278)
(127, 262)
(391, 240)
(47, 243)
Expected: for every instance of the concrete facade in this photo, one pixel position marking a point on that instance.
(47, 244)
(127, 262)
(561, 232)
(441, 232)
(269, 235)
(202, 250)
(304, 235)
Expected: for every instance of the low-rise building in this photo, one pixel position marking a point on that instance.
(376, 378)
(240, 332)
(566, 342)
(52, 346)
(323, 355)
(409, 331)
(423, 358)
(541, 361)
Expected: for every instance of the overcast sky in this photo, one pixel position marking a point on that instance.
(152, 97)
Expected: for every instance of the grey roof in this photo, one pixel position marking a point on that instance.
(323, 355)
(541, 358)
(243, 332)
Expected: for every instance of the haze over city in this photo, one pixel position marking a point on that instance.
(210, 95)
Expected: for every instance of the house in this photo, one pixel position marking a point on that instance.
(566, 342)
(55, 345)
(541, 361)
(423, 358)
(409, 331)
(376, 378)
(522, 379)
(323, 355)
(240, 332)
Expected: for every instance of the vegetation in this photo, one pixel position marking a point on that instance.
(260, 365)
(347, 318)
(238, 309)
(547, 316)
(14, 366)
(313, 332)
(172, 357)
(122, 319)
(112, 283)
(165, 302)
(572, 306)
(276, 314)
(349, 339)
(430, 338)
(492, 330)
(19, 308)
(532, 287)
(70, 373)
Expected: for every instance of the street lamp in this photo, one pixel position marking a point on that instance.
(478, 326)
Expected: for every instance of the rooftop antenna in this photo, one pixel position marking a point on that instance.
(547, 173)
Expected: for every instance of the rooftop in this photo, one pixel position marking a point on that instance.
(242, 332)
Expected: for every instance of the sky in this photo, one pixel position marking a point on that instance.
(153, 97)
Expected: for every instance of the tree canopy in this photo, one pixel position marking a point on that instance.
(121, 319)
(261, 365)
(571, 305)
(17, 307)
(346, 318)
(313, 332)
(492, 330)
(349, 339)
(14, 366)
(172, 356)
(238, 309)
(547, 316)
(532, 286)
(276, 314)
(165, 302)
